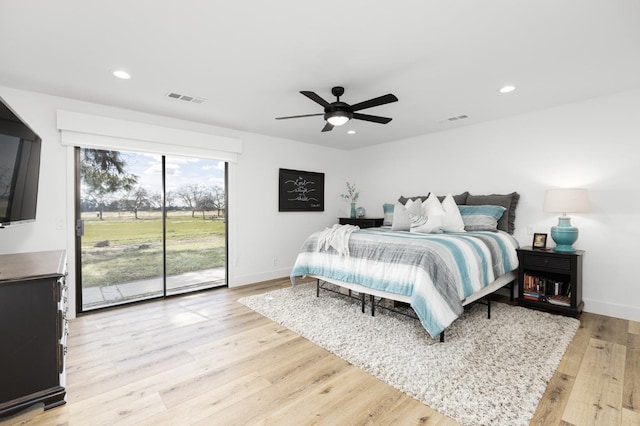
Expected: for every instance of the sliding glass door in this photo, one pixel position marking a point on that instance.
(195, 212)
(148, 226)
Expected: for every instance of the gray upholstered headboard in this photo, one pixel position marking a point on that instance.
(508, 201)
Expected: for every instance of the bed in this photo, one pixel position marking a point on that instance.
(437, 274)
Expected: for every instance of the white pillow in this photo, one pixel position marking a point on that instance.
(432, 206)
(433, 212)
(414, 207)
(452, 220)
(401, 218)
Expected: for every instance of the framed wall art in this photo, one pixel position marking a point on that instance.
(300, 191)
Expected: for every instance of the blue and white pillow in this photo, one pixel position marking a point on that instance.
(481, 218)
(387, 208)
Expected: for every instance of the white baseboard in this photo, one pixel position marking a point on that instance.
(612, 310)
(241, 280)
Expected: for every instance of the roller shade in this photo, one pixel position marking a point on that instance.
(92, 131)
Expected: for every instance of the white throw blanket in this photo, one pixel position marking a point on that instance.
(337, 237)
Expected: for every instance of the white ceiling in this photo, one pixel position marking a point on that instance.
(250, 59)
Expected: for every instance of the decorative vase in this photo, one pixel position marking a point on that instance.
(564, 235)
(353, 210)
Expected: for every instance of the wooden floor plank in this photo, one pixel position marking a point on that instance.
(611, 329)
(554, 400)
(631, 391)
(407, 410)
(596, 397)
(630, 417)
(182, 390)
(570, 363)
(194, 409)
(205, 359)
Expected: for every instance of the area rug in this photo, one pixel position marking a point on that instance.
(487, 372)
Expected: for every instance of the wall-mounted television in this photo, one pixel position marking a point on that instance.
(19, 168)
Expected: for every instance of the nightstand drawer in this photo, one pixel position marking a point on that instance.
(559, 263)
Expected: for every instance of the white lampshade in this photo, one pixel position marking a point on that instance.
(566, 200)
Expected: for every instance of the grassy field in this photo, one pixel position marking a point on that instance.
(121, 248)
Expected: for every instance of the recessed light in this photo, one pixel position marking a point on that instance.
(351, 132)
(122, 74)
(507, 89)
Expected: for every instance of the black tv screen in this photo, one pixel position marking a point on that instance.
(19, 169)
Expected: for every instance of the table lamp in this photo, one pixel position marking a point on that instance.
(565, 200)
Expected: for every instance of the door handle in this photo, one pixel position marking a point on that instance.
(79, 228)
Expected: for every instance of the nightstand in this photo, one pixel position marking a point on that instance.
(550, 281)
(362, 222)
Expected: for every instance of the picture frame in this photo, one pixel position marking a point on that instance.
(539, 241)
(300, 191)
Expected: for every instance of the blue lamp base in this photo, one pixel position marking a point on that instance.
(564, 235)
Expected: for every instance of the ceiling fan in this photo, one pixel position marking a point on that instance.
(338, 113)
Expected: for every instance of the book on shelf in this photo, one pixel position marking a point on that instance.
(544, 285)
(559, 300)
(532, 296)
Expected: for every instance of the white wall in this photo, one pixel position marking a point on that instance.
(268, 241)
(591, 144)
(263, 243)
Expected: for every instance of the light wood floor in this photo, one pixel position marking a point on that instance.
(205, 359)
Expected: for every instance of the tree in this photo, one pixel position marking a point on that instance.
(138, 199)
(155, 201)
(170, 198)
(205, 203)
(219, 198)
(104, 174)
(191, 195)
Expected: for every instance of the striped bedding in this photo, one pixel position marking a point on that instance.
(437, 271)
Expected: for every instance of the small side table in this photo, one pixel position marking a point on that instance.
(550, 280)
(362, 222)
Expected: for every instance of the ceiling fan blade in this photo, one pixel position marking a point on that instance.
(373, 118)
(316, 98)
(298, 116)
(380, 100)
(327, 127)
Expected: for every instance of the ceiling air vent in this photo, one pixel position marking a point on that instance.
(459, 117)
(186, 98)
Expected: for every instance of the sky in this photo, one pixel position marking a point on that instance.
(180, 171)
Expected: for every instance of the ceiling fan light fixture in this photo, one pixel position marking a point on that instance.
(339, 113)
(337, 118)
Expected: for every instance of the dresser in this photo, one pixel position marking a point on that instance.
(33, 330)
